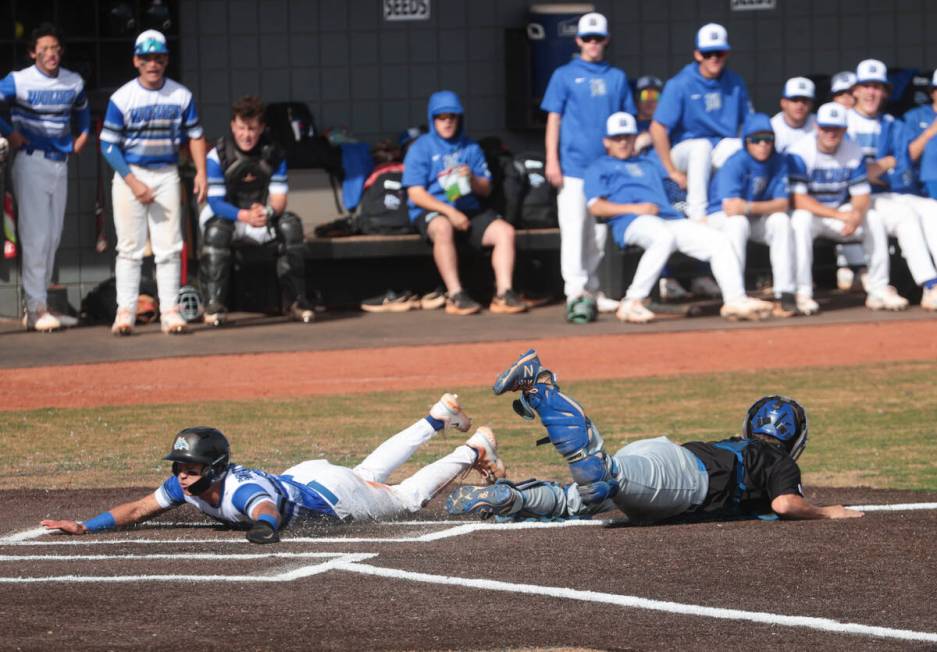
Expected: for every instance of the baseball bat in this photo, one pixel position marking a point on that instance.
(100, 225)
(9, 226)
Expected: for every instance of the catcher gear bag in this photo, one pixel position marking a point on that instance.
(779, 417)
(538, 207)
(190, 303)
(201, 445)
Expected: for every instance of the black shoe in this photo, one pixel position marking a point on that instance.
(508, 303)
(391, 301)
(462, 304)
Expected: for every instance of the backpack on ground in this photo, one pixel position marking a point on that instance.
(508, 179)
(538, 206)
(383, 206)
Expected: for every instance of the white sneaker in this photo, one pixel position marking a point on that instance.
(41, 320)
(448, 410)
(172, 323)
(845, 277)
(634, 312)
(806, 305)
(605, 304)
(887, 299)
(704, 286)
(67, 321)
(746, 309)
(929, 299)
(671, 290)
(487, 462)
(123, 322)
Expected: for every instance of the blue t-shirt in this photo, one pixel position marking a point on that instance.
(692, 106)
(584, 94)
(916, 121)
(630, 181)
(745, 178)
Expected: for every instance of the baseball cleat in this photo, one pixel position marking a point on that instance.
(42, 321)
(746, 309)
(929, 299)
(215, 319)
(886, 299)
(123, 322)
(494, 500)
(845, 277)
(519, 376)
(172, 323)
(486, 462)
(705, 286)
(634, 312)
(806, 305)
(448, 410)
(605, 304)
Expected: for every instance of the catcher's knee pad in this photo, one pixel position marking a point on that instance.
(218, 234)
(597, 477)
(290, 229)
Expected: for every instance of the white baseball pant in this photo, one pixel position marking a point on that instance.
(162, 219)
(242, 231)
(659, 238)
(913, 221)
(41, 189)
(871, 233)
(582, 240)
(694, 157)
(773, 230)
(362, 492)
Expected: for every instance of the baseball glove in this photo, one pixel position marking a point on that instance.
(147, 309)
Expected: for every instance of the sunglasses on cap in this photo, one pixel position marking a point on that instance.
(758, 140)
(715, 54)
(592, 38)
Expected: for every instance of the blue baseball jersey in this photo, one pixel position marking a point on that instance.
(430, 159)
(742, 177)
(217, 189)
(829, 178)
(692, 106)
(584, 94)
(149, 125)
(42, 107)
(916, 121)
(884, 136)
(630, 181)
(244, 488)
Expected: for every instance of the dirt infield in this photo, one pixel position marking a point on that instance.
(301, 373)
(431, 585)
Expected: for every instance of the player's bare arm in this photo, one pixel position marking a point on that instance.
(769, 206)
(808, 203)
(793, 506)
(419, 196)
(552, 143)
(916, 147)
(876, 169)
(135, 511)
(143, 193)
(278, 204)
(481, 186)
(604, 209)
(661, 138)
(199, 150)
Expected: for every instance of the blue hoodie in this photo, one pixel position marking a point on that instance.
(693, 106)
(432, 156)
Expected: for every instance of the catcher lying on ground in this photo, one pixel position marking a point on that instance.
(651, 479)
(264, 503)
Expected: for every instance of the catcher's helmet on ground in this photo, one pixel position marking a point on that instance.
(201, 445)
(190, 303)
(779, 417)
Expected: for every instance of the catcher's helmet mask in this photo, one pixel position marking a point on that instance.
(780, 418)
(201, 445)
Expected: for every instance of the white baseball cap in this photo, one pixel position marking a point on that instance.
(933, 81)
(150, 42)
(842, 82)
(621, 124)
(831, 114)
(592, 25)
(799, 87)
(712, 37)
(871, 70)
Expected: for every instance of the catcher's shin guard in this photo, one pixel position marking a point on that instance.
(578, 441)
(215, 262)
(291, 262)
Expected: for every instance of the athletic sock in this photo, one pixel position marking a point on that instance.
(437, 424)
(928, 285)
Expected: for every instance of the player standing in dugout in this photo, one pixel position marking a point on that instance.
(44, 100)
(147, 120)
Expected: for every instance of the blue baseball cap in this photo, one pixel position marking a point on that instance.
(150, 42)
(757, 123)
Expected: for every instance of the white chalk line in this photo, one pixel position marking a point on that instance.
(201, 556)
(458, 530)
(894, 508)
(288, 576)
(809, 622)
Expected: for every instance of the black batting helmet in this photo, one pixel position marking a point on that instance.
(201, 445)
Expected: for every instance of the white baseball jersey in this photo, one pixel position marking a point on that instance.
(42, 107)
(865, 131)
(786, 135)
(150, 125)
(829, 178)
(244, 488)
